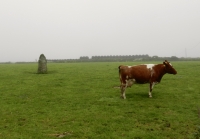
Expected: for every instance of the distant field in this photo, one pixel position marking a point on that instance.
(77, 100)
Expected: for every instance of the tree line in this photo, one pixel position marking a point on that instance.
(115, 58)
(121, 58)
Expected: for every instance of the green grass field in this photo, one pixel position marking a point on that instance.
(77, 100)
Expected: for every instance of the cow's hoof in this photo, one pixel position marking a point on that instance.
(123, 97)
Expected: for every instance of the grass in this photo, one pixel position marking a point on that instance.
(77, 100)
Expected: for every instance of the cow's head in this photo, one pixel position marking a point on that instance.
(169, 68)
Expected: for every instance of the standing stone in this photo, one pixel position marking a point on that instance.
(42, 64)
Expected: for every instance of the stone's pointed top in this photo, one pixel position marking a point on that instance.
(42, 57)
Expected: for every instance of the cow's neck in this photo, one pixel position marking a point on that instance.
(160, 71)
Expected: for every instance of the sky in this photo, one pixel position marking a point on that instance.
(68, 29)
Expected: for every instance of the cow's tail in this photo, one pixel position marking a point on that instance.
(119, 68)
(120, 74)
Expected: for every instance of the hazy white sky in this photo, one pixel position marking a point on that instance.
(68, 29)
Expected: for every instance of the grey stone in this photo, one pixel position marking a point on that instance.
(42, 64)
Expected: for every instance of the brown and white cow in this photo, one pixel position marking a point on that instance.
(145, 73)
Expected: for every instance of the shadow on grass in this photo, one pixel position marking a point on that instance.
(132, 94)
(137, 95)
(49, 72)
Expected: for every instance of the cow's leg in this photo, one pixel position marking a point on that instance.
(123, 89)
(151, 88)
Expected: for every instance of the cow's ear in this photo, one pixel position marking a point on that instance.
(165, 63)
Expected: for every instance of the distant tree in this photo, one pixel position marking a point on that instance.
(155, 57)
(174, 58)
(84, 57)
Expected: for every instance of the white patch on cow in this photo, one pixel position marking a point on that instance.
(150, 94)
(170, 64)
(123, 89)
(153, 84)
(152, 72)
(120, 76)
(130, 82)
(129, 66)
(150, 66)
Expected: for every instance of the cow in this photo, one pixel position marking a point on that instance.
(144, 73)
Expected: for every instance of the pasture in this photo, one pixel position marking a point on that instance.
(79, 100)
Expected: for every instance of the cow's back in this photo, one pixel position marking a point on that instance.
(140, 73)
